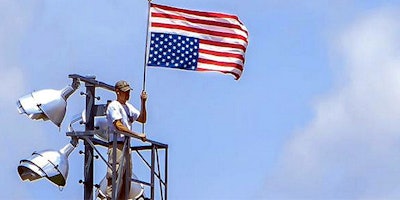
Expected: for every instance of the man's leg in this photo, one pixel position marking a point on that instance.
(109, 170)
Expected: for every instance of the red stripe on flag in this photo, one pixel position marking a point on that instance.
(193, 12)
(198, 21)
(237, 76)
(198, 30)
(223, 44)
(225, 54)
(221, 64)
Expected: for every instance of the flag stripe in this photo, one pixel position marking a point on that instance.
(198, 30)
(214, 68)
(202, 26)
(216, 41)
(223, 54)
(242, 31)
(222, 64)
(221, 59)
(199, 21)
(206, 18)
(193, 12)
(223, 44)
(220, 49)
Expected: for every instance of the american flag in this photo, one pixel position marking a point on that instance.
(196, 40)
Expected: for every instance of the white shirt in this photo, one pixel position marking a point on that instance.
(126, 113)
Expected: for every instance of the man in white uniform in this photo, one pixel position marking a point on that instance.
(120, 116)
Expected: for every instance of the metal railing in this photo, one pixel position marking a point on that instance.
(153, 165)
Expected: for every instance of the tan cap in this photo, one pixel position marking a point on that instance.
(123, 86)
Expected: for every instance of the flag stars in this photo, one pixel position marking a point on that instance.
(170, 50)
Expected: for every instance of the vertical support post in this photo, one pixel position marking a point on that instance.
(153, 148)
(128, 166)
(89, 126)
(166, 173)
(114, 168)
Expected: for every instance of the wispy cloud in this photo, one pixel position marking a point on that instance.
(350, 149)
(15, 19)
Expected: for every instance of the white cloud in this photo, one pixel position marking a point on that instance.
(351, 148)
(15, 20)
(16, 142)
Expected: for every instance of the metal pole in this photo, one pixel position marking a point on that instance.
(153, 147)
(145, 55)
(159, 180)
(89, 126)
(166, 173)
(146, 47)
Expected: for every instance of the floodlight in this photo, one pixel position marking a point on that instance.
(46, 104)
(137, 189)
(100, 123)
(49, 163)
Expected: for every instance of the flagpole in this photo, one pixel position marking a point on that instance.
(145, 53)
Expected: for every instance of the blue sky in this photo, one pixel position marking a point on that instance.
(314, 116)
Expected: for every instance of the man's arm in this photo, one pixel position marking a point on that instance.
(143, 113)
(121, 127)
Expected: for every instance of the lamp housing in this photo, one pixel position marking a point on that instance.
(49, 163)
(136, 191)
(47, 104)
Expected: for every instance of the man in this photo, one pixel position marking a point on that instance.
(120, 116)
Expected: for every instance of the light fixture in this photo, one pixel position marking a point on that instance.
(49, 163)
(100, 123)
(136, 191)
(47, 104)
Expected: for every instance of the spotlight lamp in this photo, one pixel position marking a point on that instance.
(100, 123)
(47, 104)
(48, 163)
(136, 191)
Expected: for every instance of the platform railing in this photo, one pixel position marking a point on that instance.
(153, 165)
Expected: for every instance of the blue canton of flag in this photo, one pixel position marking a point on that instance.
(174, 51)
